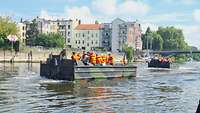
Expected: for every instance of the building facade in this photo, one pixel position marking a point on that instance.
(47, 26)
(126, 33)
(88, 36)
(106, 36)
(66, 29)
(22, 32)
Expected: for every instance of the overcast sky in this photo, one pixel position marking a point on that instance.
(184, 14)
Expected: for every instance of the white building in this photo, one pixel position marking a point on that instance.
(47, 26)
(87, 36)
(22, 32)
(66, 29)
(125, 33)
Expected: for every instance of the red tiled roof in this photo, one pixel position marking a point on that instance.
(88, 27)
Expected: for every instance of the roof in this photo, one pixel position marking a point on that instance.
(88, 27)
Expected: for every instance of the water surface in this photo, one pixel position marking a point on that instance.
(153, 91)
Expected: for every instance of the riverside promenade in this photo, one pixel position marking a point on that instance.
(39, 55)
(23, 57)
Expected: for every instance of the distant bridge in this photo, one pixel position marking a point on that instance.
(173, 52)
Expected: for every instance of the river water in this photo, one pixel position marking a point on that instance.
(153, 91)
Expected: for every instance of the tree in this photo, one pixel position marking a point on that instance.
(129, 52)
(7, 27)
(152, 40)
(50, 40)
(173, 38)
(32, 33)
(157, 41)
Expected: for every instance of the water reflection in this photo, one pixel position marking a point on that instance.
(158, 91)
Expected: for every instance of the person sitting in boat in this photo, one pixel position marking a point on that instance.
(93, 58)
(110, 59)
(99, 59)
(78, 57)
(63, 54)
(85, 58)
(73, 57)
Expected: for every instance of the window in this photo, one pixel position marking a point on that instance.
(83, 35)
(76, 35)
(92, 42)
(23, 27)
(69, 27)
(76, 41)
(88, 32)
(96, 35)
(68, 40)
(88, 44)
(79, 42)
(83, 42)
(92, 35)
(96, 42)
(68, 33)
(23, 34)
(79, 35)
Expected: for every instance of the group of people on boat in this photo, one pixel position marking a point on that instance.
(93, 58)
(163, 59)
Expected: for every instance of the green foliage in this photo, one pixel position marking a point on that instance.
(7, 27)
(129, 51)
(32, 33)
(50, 40)
(168, 38)
(152, 40)
(173, 38)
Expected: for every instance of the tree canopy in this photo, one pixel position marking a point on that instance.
(168, 38)
(50, 40)
(129, 52)
(32, 33)
(7, 27)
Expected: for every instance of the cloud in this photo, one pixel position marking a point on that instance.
(130, 7)
(107, 7)
(191, 33)
(145, 25)
(82, 13)
(186, 2)
(124, 8)
(196, 15)
(169, 17)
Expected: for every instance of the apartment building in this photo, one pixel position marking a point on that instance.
(66, 29)
(106, 36)
(87, 36)
(22, 32)
(125, 33)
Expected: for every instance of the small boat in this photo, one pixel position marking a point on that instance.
(66, 69)
(156, 63)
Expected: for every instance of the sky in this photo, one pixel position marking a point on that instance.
(183, 14)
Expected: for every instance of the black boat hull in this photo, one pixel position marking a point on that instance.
(158, 64)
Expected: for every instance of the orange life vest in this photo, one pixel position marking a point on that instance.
(93, 58)
(99, 59)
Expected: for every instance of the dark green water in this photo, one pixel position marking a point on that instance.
(152, 91)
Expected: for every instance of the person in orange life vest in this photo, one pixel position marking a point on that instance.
(85, 58)
(110, 59)
(98, 59)
(93, 58)
(78, 57)
(73, 57)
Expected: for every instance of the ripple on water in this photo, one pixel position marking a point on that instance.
(152, 91)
